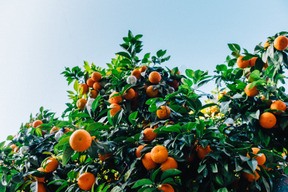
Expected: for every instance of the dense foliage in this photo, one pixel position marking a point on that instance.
(139, 126)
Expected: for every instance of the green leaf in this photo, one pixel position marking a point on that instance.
(221, 67)
(155, 173)
(124, 54)
(222, 190)
(132, 117)
(170, 173)
(234, 47)
(201, 168)
(76, 86)
(142, 182)
(67, 154)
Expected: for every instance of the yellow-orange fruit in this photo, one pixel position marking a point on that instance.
(278, 105)
(267, 120)
(260, 159)
(202, 152)
(266, 44)
(148, 162)
(281, 43)
(242, 64)
(250, 177)
(37, 123)
(40, 179)
(150, 92)
(93, 94)
(41, 187)
(54, 129)
(251, 92)
(159, 154)
(166, 188)
(149, 135)
(80, 140)
(252, 61)
(105, 156)
(86, 181)
(154, 77)
(50, 165)
(114, 109)
(81, 103)
(130, 94)
(90, 82)
(96, 76)
(143, 68)
(138, 150)
(136, 73)
(164, 112)
(115, 98)
(170, 163)
(83, 88)
(97, 86)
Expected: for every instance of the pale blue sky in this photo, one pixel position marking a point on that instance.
(39, 38)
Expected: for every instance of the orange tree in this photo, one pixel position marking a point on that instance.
(137, 126)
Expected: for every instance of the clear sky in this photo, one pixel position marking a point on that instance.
(39, 38)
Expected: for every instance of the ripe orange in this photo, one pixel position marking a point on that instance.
(97, 86)
(86, 181)
(105, 156)
(93, 94)
(266, 44)
(202, 152)
(96, 76)
(251, 92)
(41, 187)
(136, 73)
(138, 150)
(266, 66)
(260, 159)
(80, 140)
(90, 82)
(115, 98)
(252, 61)
(166, 188)
(164, 112)
(54, 129)
(14, 148)
(143, 68)
(94, 138)
(170, 163)
(50, 165)
(251, 177)
(115, 108)
(40, 179)
(159, 154)
(130, 94)
(83, 88)
(148, 162)
(81, 103)
(155, 77)
(278, 105)
(150, 92)
(281, 43)
(68, 130)
(242, 64)
(149, 135)
(267, 120)
(37, 123)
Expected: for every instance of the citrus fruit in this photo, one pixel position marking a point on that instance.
(170, 163)
(105, 156)
(97, 86)
(80, 140)
(202, 152)
(96, 76)
(143, 68)
(115, 98)
(278, 105)
(148, 162)
(166, 188)
(114, 109)
(130, 94)
(136, 73)
(251, 92)
(164, 112)
(81, 103)
(281, 43)
(151, 92)
(267, 120)
(148, 134)
(90, 82)
(37, 123)
(260, 159)
(50, 165)
(154, 77)
(138, 150)
(242, 64)
(159, 154)
(93, 94)
(86, 181)
(41, 187)
(252, 61)
(83, 88)
(251, 177)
